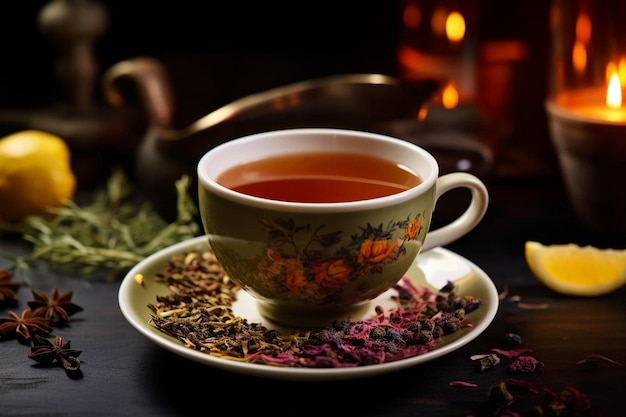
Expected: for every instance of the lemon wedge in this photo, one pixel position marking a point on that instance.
(577, 270)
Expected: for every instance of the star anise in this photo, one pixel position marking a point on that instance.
(56, 310)
(24, 327)
(8, 288)
(46, 352)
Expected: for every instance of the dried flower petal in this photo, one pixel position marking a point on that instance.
(480, 356)
(462, 384)
(525, 364)
(522, 384)
(504, 293)
(570, 402)
(511, 353)
(139, 279)
(595, 360)
(198, 312)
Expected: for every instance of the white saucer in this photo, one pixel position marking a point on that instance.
(430, 269)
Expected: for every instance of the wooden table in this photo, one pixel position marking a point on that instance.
(124, 374)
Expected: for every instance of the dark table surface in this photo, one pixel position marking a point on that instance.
(126, 374)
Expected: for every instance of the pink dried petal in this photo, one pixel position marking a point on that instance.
(549, 393)
(508, 413)
(525, 364)
(522, 384)
(462, 384)
(515, 298)
(570, 402)
(504, 293)
(574, 399)
(511, 353)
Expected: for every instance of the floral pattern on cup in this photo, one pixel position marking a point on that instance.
(318, 269)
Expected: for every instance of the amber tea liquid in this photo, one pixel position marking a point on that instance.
(319, 178)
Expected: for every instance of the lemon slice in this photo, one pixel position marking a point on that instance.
(577, 270)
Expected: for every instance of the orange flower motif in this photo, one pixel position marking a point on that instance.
(273, 254)
(413, 229)
(376, 251)
(295, 280)
(328, 264)
(333, 274)
(279, 266)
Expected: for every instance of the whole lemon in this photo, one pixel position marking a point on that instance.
(35, 175)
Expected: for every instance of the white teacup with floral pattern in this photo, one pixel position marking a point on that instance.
(307, 264)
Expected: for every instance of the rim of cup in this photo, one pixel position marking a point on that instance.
(251, 148)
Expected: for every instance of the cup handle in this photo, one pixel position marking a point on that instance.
(470, 217)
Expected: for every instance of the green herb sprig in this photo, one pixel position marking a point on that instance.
(111, 234)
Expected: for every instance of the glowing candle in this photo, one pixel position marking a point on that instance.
(598, 104)
(438, 40)
(588, 128)
(586, 115)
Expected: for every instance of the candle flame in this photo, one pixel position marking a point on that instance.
(579, 57)
(583, 35)
(438, 21)
(412, 16)
(614, 92)
(455, 27)
(450, 96)
(583, 28)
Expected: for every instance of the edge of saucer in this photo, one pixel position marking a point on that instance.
(133, 299)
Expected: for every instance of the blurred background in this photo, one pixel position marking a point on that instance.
(219, 51)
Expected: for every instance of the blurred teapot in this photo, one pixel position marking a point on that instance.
(368, 102)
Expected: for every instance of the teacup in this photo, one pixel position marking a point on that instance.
(314, 223)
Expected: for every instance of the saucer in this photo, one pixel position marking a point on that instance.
(428, 270)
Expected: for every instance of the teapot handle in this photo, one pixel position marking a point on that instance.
(152, 81)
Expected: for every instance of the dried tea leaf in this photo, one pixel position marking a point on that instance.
(111, 234)
(489, 362)
(198, 312)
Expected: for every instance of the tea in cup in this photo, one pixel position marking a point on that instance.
(314, 223)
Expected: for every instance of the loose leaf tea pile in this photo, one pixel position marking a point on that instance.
(198, 312)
